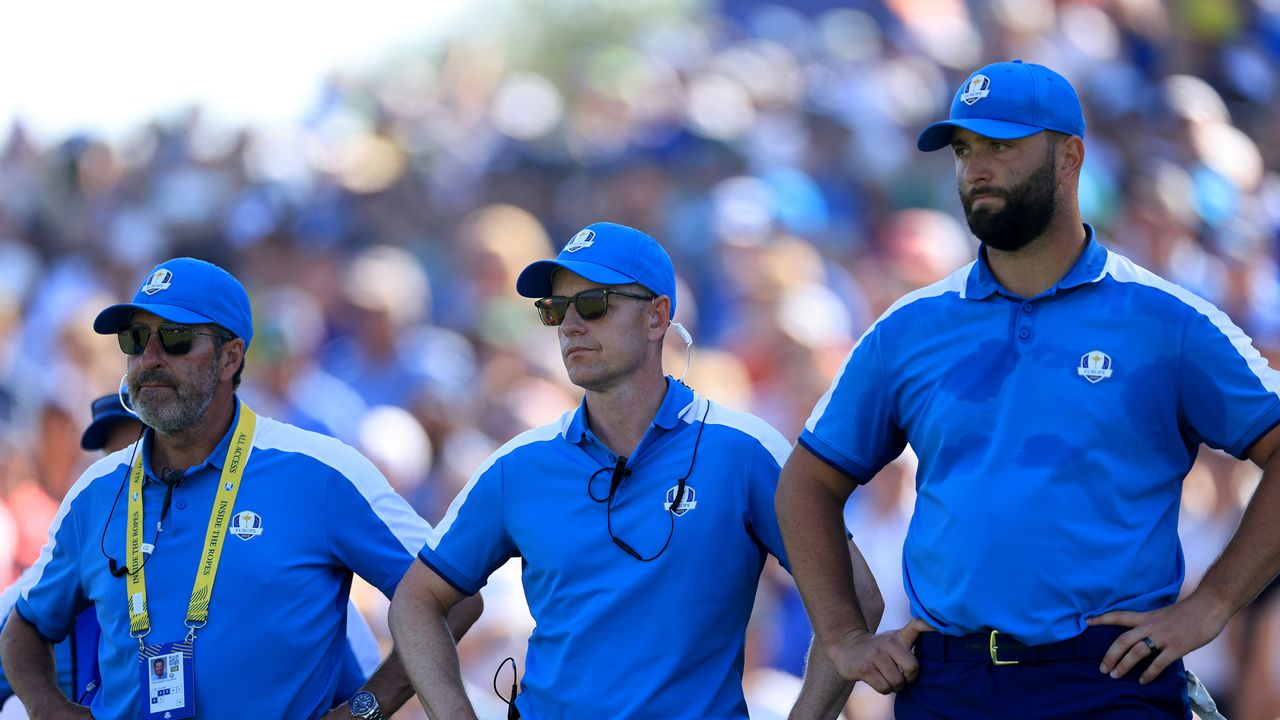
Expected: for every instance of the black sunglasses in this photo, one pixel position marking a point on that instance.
(591, 304)
(174, 339)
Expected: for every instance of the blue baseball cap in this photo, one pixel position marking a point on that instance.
(609, 254)
(107, 413)
(1009, 100)
(188, 291)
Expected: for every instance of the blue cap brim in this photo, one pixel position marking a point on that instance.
(938, 135)
(118, 317)
(535, 280)
(95, 436)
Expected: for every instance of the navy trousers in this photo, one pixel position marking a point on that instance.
(958, 681)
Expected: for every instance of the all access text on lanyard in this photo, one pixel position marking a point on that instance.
(228, 486)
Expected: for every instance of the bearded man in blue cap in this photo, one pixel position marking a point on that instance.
(1056, 395)
(218, 541)
(643, 519)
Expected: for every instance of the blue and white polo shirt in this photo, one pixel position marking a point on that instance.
(617, 637)
(310, 511)
(1053, 435)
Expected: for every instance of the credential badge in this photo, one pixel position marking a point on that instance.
(979, 87)
(159, 280)
(687, 503)
(584, 239)
(1095, 365)
(246, 524)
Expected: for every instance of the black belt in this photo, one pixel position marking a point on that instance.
(1000, 649)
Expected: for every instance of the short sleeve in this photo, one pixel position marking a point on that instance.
(372, 530)
(51, 594)
(854, 426)
(1227, 395)
(763, 470)
(471, 541)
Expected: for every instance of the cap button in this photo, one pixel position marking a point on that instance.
(1017, 60)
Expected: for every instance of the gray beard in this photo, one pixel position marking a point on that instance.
(184, 411)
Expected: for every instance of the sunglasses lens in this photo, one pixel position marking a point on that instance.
(592, 304)
(176, 340)
(133, 340)
(552, 309)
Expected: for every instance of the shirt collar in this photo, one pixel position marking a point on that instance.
(215, 460)
(678, 398)
(982, 283)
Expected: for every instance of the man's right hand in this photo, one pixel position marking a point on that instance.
(884, 661)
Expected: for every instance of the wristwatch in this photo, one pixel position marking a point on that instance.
(365, 706)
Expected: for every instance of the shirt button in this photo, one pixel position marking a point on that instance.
(1027, 308)
(182, 504)
(1024, 334)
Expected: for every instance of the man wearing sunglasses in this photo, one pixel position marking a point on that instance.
(220, 538)
(643, 519)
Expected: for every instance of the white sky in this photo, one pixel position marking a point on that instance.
(77, 65)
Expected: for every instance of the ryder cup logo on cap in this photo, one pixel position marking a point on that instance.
(976, 89)
(188, 292)
(584, 239)
(609, 254)
(159, 280)
(1006, 101)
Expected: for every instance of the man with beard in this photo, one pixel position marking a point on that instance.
(218, 534)
(1056, 395)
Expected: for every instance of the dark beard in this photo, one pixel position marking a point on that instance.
(1028, 208)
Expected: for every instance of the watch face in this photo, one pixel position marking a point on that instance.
(362, 702)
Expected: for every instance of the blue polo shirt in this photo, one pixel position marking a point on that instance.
(616, 637)
(275, 639)
(1053, 435)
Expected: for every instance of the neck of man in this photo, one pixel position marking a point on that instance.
(620, 415)
(190, 446)
(1043, 262)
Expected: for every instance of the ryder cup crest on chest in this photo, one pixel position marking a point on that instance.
(1094, 366)
(246, 524)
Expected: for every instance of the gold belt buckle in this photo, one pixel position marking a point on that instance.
(995, 651)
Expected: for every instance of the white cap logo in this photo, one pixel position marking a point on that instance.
(979, 87)
(584, 239)
(159, 280)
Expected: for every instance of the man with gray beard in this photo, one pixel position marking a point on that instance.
(235, 540)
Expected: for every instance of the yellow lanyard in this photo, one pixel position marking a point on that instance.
(229, 485)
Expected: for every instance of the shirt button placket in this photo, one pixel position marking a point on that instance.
(1025, 324)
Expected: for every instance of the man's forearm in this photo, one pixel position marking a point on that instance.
(812, 525)
(1252, 557)
(29, 667)
(430, 656)
(824, 693)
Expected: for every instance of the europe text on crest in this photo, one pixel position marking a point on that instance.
(979, 86)
(246, 524)
(688, 502)
(160, 280)
(1095, 365)
(584, 239)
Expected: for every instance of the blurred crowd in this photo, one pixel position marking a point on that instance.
(770, 148)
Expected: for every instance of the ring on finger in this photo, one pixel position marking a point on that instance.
(1151, 645)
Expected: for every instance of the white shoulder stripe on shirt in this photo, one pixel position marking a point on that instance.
(956, 282)
(394, 511)
(99, 469)
(762, 432)
(541, 433)
(1122, 269)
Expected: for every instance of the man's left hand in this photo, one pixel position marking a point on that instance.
(1168, 633)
